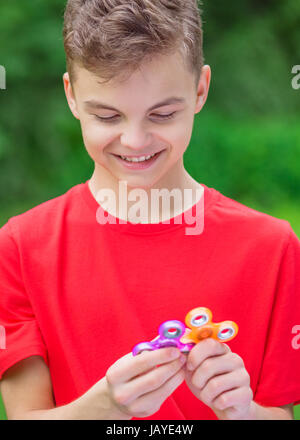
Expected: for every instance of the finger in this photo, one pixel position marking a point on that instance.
(222, 384)
(150, 403)
(204, 349)
(226, 346)
(130, 366)
(239, 399)
(214, 366)
(143, 384)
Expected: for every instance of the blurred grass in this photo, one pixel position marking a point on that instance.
(252, 160)
(2, 410)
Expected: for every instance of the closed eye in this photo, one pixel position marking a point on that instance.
(114, 118)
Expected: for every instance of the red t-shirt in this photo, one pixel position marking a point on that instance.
(81, 294)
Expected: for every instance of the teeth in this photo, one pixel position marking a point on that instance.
(135, 159)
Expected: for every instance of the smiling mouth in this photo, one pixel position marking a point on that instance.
(138, 159)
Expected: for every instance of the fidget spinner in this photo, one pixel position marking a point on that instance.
(170, 333)
(200, 326)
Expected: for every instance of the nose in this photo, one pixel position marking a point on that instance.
(135, 138)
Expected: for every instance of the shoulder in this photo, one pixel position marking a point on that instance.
(249, 225)
(41, 219)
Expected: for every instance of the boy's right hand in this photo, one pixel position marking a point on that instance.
(138, 385)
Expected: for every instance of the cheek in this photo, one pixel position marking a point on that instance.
(95, 138)
(177, 136)
(180, 137)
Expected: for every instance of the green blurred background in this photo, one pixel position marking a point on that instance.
(246, 141)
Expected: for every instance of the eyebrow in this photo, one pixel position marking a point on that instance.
(99, 105)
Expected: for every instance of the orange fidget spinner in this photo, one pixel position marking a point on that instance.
(199, 320)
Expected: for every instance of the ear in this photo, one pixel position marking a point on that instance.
(70, 95)
(203, 88)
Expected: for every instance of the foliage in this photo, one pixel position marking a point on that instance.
(251, 49)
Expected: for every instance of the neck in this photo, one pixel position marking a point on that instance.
(168, 198)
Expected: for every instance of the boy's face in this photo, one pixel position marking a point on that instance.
(139, 126)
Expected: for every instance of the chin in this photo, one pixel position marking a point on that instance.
(135, 184)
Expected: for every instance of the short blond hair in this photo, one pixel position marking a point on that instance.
(113, 37)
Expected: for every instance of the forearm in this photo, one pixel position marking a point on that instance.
(258, 412)
(93, 405)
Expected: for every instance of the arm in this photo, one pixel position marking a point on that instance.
(27, 394)
(132, 387)
(258, 412)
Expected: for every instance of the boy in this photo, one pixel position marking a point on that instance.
(78, 293)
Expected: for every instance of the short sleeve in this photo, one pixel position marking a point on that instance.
(20, 336)
(279, 382)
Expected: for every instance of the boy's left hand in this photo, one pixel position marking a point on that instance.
(219, 379)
